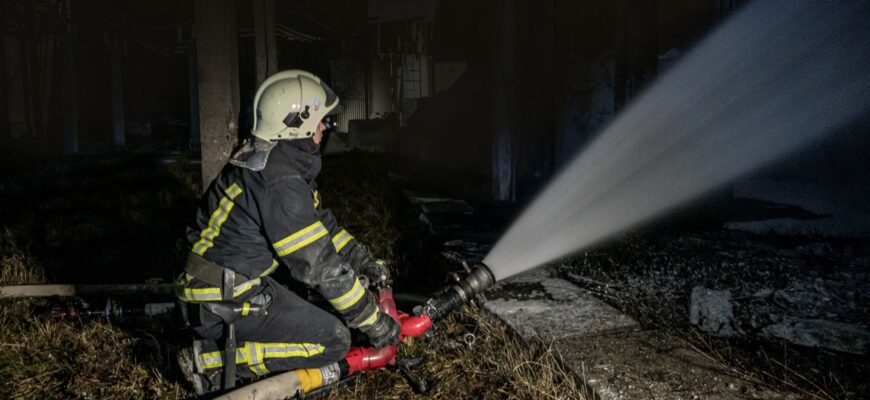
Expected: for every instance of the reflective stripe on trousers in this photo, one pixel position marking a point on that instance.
(255, 354)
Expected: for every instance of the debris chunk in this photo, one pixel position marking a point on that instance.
(711, 311)
(849, 338)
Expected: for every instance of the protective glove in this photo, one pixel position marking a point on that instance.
(384, 332)
(376, 271)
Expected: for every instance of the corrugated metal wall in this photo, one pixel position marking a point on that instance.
(412, 74)
(349, 82)
(446, 73)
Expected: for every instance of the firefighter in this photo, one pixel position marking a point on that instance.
(262, 212)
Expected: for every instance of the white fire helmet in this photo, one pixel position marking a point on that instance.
(290, 104)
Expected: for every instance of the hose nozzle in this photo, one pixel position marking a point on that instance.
(478, 279)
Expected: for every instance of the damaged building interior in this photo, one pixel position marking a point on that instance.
(434, 199)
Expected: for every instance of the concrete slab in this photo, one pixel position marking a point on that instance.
(605, 347)
(652, 365)
(536, 304)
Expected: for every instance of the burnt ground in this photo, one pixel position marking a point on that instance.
(778, 291)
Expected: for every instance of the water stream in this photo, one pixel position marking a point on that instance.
(776, 77)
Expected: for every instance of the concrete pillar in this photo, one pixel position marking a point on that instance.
(70, 86)
(193, 97)
(380, 89)
(117, 97)
(5, 128)
(218, 75)
(16, 111)
(264, 39)
(504, 98)
(29, 71)
(426, 75)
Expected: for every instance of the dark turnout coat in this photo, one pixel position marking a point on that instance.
(254, 221)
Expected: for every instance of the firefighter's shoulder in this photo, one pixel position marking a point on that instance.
(279, 168)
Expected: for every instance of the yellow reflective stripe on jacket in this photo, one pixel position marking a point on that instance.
(196, 295)
(214, 294)
(201, 294)
(300, 239)
(254, 354)
(271, 269)
(218, 217)
(350, 298)
(341, 239)
(369, 320)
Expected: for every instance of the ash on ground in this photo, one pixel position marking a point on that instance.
(792, 311)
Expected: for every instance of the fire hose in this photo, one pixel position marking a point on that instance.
(364, 359)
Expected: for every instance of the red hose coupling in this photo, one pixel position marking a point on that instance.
(361, 359)
(414, 326)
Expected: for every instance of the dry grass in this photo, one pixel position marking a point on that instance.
(497, 365)
(763, 371)
(16, 265)
(41, 358)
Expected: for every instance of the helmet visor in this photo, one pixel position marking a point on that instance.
(331, 100)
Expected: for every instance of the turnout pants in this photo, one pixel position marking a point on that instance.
(292, 334)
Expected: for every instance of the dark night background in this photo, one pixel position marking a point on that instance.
(111, 111)
(434, 81)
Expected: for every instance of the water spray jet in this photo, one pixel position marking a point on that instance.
(777, 77)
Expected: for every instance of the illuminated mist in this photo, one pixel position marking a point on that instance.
(778, 76)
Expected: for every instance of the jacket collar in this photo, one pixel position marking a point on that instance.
(303, 155)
